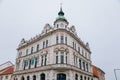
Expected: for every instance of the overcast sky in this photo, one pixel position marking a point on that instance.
(96, 22)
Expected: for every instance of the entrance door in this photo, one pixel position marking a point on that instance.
(61, 76)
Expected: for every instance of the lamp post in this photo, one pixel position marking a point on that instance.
(115, 73)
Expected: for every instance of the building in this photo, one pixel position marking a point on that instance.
(5, 65)
(55, 54)
(98, 74)
(6, 72)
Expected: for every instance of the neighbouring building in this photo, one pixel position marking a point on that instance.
(98, 74)
(55, 54)
(6, 72)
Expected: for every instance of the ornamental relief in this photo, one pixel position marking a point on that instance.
(61, 49)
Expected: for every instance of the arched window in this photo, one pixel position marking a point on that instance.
(85, 78)
(76, 77)
(28, 78)
(42, 76)
(34, 77)
(61, 76)
(81, 78)
(22, 78)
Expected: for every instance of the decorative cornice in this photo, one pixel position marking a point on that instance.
(51, 32)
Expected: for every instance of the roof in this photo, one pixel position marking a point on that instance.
(5, 65)
(95, 71)
(8, 70)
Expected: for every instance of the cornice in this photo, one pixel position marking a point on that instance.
(50, 33)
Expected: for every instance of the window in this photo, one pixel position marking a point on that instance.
(37, 49)
(62, 39)
(61, 25)
(43, 44)
(57, 39)
(36, 61)
(65, 40)
(32, 61)
(84, 66)
(45, 59)
(31, 49)
(26, 51)
(34, 77)
(66, 58)
(62, 58)
(46, 43)
(79, 63)
(20, 54)
(42, 76)
(76, 77)
(74, 60)
(81, 77)
(57, 25)
(41, 60)
(88, 78)
(6, 77)
(73, 45)
(87, 66)
(85, 78)
(78, 49)
(29, 63)
(28, 78)
(56, 58)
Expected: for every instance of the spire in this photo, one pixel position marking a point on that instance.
(61, 16)
(61, 13)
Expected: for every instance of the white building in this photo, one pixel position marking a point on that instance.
(6, 71)
(55, 54)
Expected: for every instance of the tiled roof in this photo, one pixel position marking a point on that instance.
(8, 70)
(95, 71)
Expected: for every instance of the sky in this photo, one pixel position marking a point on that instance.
(96, 22)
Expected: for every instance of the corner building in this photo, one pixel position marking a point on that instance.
(55, 54)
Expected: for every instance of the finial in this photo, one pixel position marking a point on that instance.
(61, 13)
(61, 6)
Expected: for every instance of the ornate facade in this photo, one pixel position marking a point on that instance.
(55, 54)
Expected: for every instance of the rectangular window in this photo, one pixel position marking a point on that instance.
(66, 59)
(56, 59)
(62, 39)
(87, 66)
(73, 45)
(26, 51)
(57, 40)
(37, 49)
(41, 60)
(78, 49)
(31, 49)
(45, 59)
(84, 66)
(65, 40)
(62, 59)
(29, 63)
(36, 61)
(74, 60)
(79, 63)
(46, 43)
(6, 77)
(43, 44)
